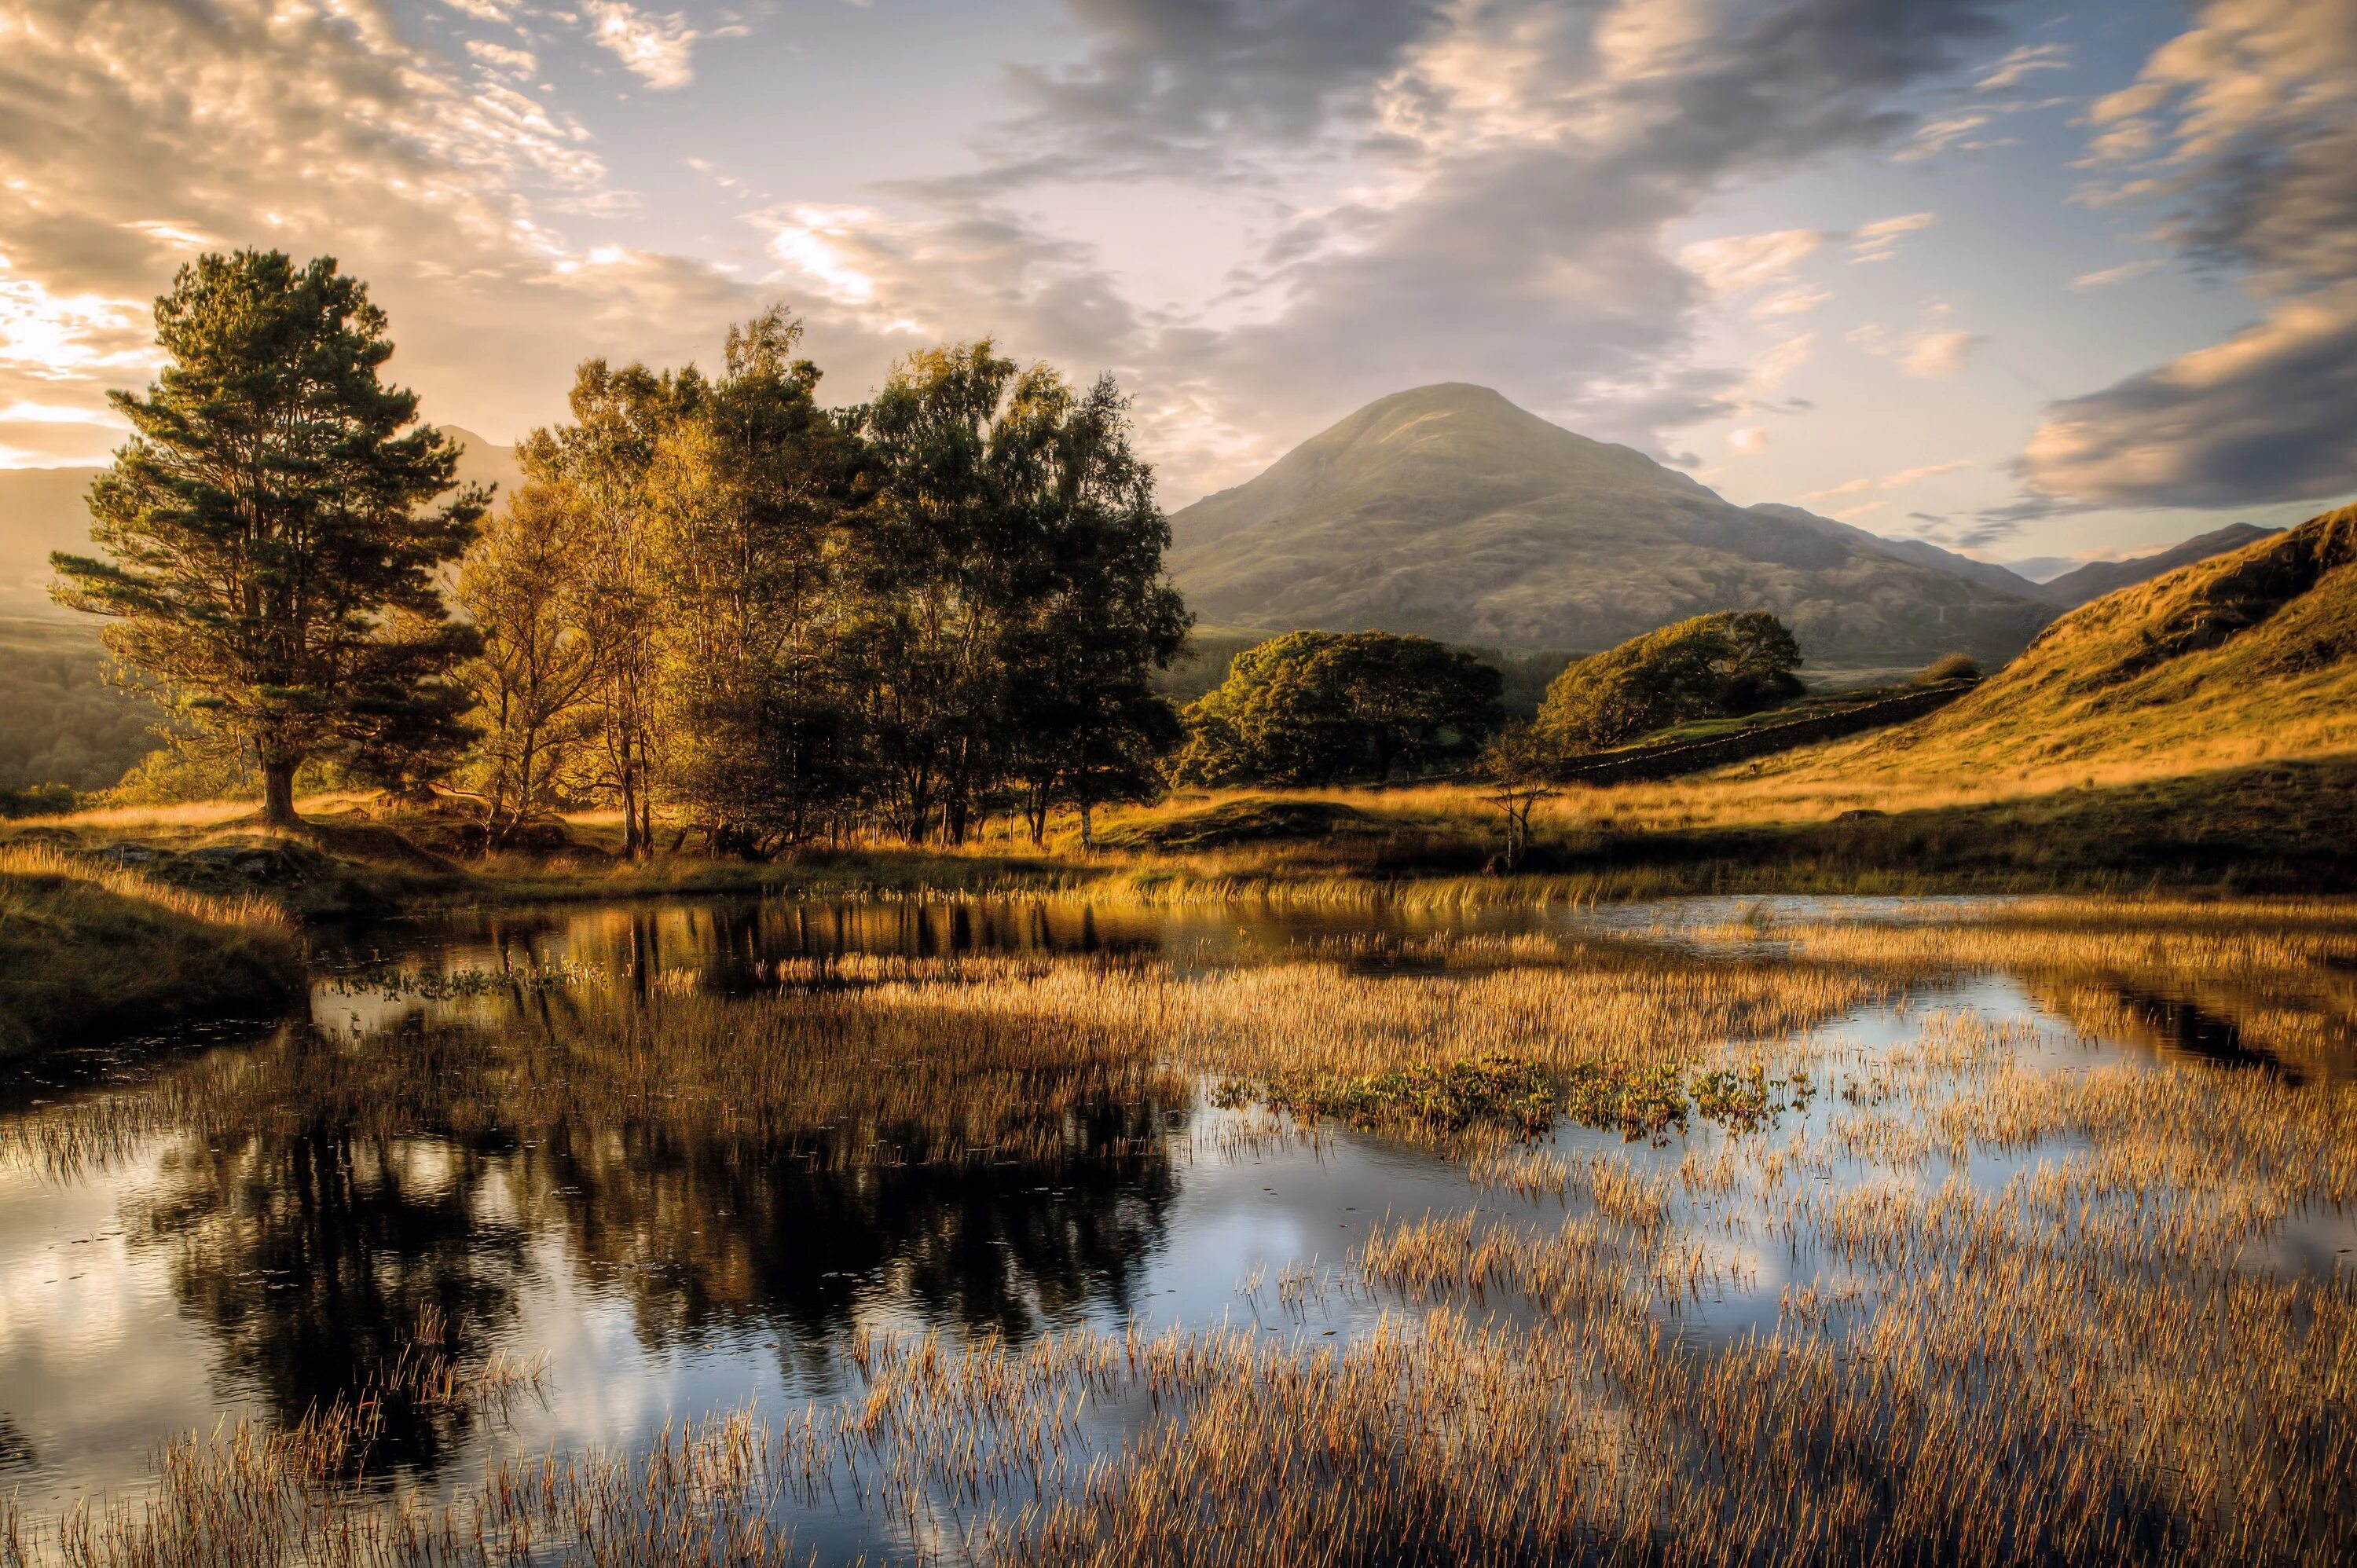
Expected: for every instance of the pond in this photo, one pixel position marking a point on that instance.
(586, 1180)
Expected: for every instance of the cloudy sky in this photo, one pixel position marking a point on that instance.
(2034, 281)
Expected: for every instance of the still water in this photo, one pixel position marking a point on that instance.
(158, 1276)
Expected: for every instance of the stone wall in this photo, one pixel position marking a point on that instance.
(1639, 762)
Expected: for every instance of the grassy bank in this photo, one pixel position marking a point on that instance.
(88, 949)
(2277, 827)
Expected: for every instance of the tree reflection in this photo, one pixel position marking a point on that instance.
(722, 1164)
(318, 1258)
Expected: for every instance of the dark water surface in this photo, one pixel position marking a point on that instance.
(169, 1282)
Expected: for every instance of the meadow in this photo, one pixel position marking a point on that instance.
(1732, 1231)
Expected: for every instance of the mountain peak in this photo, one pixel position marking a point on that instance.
(1448, 511)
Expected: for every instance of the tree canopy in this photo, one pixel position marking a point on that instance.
(1319, 707)
(270, 552)
(1720, 664)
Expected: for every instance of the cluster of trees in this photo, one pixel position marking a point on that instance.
(1319, 707)
(714, 603)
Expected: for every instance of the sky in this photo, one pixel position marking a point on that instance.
(2029, 282)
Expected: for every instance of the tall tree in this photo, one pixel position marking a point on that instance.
(1012, 527)
(747, 495)
(534, 679)
(604, 458)
(269, 550)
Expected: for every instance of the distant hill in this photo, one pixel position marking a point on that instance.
(61, 723)
(2097, 578)
(2241, 656)
(1450, 512)
(1986, 573)
(43, 510)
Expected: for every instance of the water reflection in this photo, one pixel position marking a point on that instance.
(319, 1259)
(692, 1184)
(705, 1242)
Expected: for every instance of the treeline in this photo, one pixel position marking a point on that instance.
(718, 604)
(714, 604)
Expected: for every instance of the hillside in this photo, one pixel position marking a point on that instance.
(2237, 659)
(43, 510)
(1448, 511)
(2097, 578)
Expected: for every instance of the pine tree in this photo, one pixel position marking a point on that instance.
(270, 551)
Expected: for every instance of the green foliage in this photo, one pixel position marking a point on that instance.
(270, 555)
(1319, 708)
(1713, 665)
(1515, 1095)
(1490, 1090)
(1952, 666)
(1016, 607)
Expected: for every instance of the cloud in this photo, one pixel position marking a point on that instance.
(144, 130)
(1936, 356)
(1899, 481)
(518, 64)
(2246, 126)
(1928, 471)
(657, 49)
(1512, 166)
(2022, 61)
(1797, 301)
(2126, 272)
(1742, 262)
(1937, 137)
(1878, 241)
(2263, 416)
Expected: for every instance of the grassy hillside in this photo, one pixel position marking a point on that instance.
(88, 950)
(2239, 658)
(1450, 512)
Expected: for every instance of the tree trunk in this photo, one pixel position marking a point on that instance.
(278, 794)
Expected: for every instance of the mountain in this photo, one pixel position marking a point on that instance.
(2239, 657)
(43, 510)
(1923, 553)
(2097, 578)
(1448, 511)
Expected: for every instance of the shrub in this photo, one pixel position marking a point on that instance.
(1952, 666)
